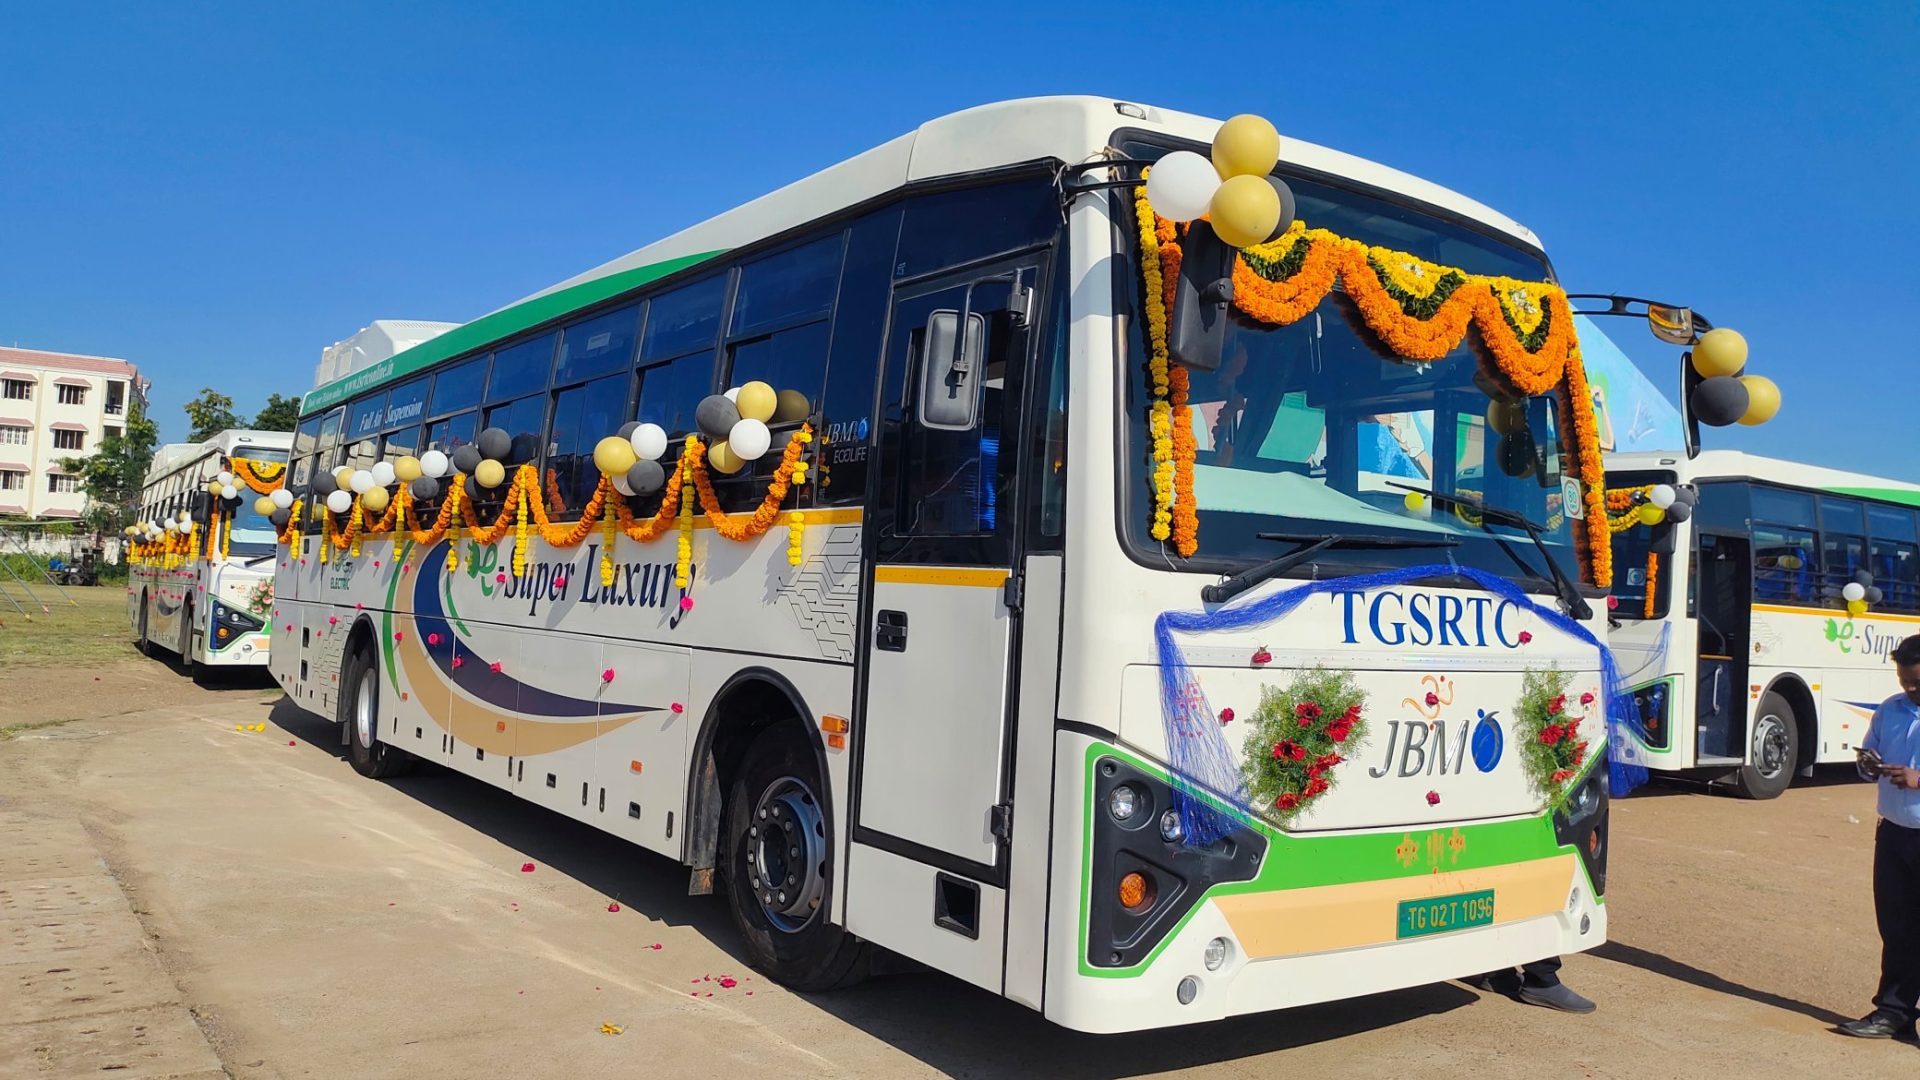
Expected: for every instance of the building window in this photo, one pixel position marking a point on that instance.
(62, 484)
(69, 440)
(13, 436)
(13, 481)
(16, 389)
(73, 395)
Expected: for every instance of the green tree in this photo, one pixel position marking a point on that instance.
(114, 473)
(209, 414)
(281, 414)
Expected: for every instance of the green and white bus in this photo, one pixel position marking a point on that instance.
(896, 684)
(1733, 626)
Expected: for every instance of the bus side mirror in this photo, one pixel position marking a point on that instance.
(950, 385)
(1673, 325)
(1202, 296)
(1662, 540)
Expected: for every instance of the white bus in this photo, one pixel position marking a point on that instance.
(1746, 663)
(929, 714)
(200, 580)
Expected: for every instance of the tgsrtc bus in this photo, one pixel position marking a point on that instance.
(884, 669)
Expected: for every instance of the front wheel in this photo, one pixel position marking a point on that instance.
(360, 711)
(1775, 752)
(776, 858)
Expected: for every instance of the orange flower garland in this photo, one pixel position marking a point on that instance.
(262, 477)
(1653, 579)
(1186, 519)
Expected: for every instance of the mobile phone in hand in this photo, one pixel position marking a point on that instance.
(1870, 759)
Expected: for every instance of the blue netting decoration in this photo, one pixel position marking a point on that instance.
(1208, 788)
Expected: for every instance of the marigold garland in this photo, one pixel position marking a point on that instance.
(1653, 579)
(796, 528)
(1420, 310)
(261, 477)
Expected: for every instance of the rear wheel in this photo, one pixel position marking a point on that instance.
(360, 711)
(776, 858)
(142, 642)
(1775, 750)
(193, 670)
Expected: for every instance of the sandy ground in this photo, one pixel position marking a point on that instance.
(178, 898)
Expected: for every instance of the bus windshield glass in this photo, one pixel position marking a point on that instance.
(1316, 427)
(1633, 569)
(253, 535)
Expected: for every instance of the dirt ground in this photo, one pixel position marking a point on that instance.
(179, 898)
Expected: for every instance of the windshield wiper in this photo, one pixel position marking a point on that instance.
(1569, 593)
(1311, 544)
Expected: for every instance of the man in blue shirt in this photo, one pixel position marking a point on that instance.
(1890, 754)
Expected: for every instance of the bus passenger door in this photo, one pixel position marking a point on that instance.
(1725, 568)
(927, 873)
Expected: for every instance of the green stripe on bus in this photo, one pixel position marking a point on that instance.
(1301, 862)
(1892, 495)
(488, 329)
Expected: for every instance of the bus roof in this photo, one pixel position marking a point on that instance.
(174, 455)
(1721, 464)
(1069, 129)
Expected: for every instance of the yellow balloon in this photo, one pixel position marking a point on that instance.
(722, 459)
(1244, 211)
(375, 499)
(792, 407)
(1720, 351)
(1652, 514)
(1856, 607)
(263, 506)
(1414, 501)
(1246, 145)
(490, 474)
(407, 469)
(1763, 400)
(1507, 417)
(756, 401)
(343, 477)
(1791, 562)
(213, 487)
(614, 455)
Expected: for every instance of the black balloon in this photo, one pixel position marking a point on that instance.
(466, 459)
(1516, 455)
(646, 477)
(1287, 207)
(1864, 577)
(280, 517)
(1720, 401)
(473, 489)
(1874, 595)
(323, 483)
(232, 504)
(424, 487)
(627, 429)
(716, 415)
(495, 443)
(525, 448)
(1679, 511)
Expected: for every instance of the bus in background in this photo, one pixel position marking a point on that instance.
(870, 643)
(200, 569)
(1733, 626)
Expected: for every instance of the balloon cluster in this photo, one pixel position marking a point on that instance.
(1518, 453)
(1858, 594)
(1233, 191)
(1724, 395)
(737, 420)
(1665, 502)
(155, 528)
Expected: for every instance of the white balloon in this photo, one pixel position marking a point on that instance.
(749, 440)
(1853, 591)
(339, 501)
(733, 395)
(361, 480)
(620, 484)
(434, 463)
(225, 478)
(382, 473)
(1661, 496)
(282, 498)
(649, 441)
(1181, 185)
(228, 491)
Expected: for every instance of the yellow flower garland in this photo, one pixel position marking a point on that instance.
(261, 477)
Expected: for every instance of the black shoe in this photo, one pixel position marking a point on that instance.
(1876, 1026)
(1495, 982)
(1557, 996)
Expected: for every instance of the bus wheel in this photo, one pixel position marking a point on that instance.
(777, 862)
(186, 643)
(1775, 751)
(360, 711)
(141, 641)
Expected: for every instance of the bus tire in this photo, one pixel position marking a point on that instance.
(186, 642)
(360, 711)
(779, 900)
(1775, 750)
(141, 641)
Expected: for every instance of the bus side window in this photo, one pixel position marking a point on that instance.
(853, 373)
(1895, 561)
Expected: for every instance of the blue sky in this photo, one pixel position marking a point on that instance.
(218, 193)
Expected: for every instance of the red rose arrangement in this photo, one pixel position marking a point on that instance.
(1296, 738)
(1552, 746)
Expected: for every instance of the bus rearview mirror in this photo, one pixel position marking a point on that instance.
(1202, 296)
(950, 391)
(1673, 325)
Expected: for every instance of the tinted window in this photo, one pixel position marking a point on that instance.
(1776, 504)
(961, 226)
(1784, 564)
(597, 346)
(1845, 515)
(307, 439)
(793, 359)
(841, 445)
(517, 418)
(582, 417)
(685, 319)
(362, 454)
(669, 392)
(406, 404)
(1890, 522)
(455, 431)
(402, 443)
(793, 286)
(365, 416)
(458, 387)
(520, 368)
(330, 429)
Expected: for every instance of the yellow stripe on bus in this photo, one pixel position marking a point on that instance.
(941, 575)
(1295, 922)
(1786, 609)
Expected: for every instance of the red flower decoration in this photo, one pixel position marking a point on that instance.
(1281, 751)
(494, 667)
(1552, 733)
(290, 742)
(1526, 636)
(559, 583)
(1340, 729)
(500, 578)
(607, 675)
(1433, 798)
(1226, 715)
(525, 868)
(1433, 698)
(686, 603)
(457, 661)
(1558, 705)
(333, 620)
(1316, 787)
(615, 906)
(398, 634)
(1613, 603)
(1586, 699)
(1307, 712)
(678, 708)
(433, 639)
(728, 982)
(1563, 776)
(1286, 801)
(1262, 656)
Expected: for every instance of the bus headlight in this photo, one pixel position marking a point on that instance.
(1171, 830)
(1217, 952)
(1581, 823)
(1123, 802)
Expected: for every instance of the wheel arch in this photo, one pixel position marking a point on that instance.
(752, 700)
(1806, 718)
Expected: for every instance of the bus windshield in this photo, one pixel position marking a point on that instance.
(253, 535)
(1316, 427)
(1633, 565)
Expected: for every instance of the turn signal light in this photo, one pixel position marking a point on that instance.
(1136, 891)
(836, 725)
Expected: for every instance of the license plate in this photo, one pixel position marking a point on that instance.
(1440, 914)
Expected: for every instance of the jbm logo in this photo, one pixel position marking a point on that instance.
(1416, 747)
